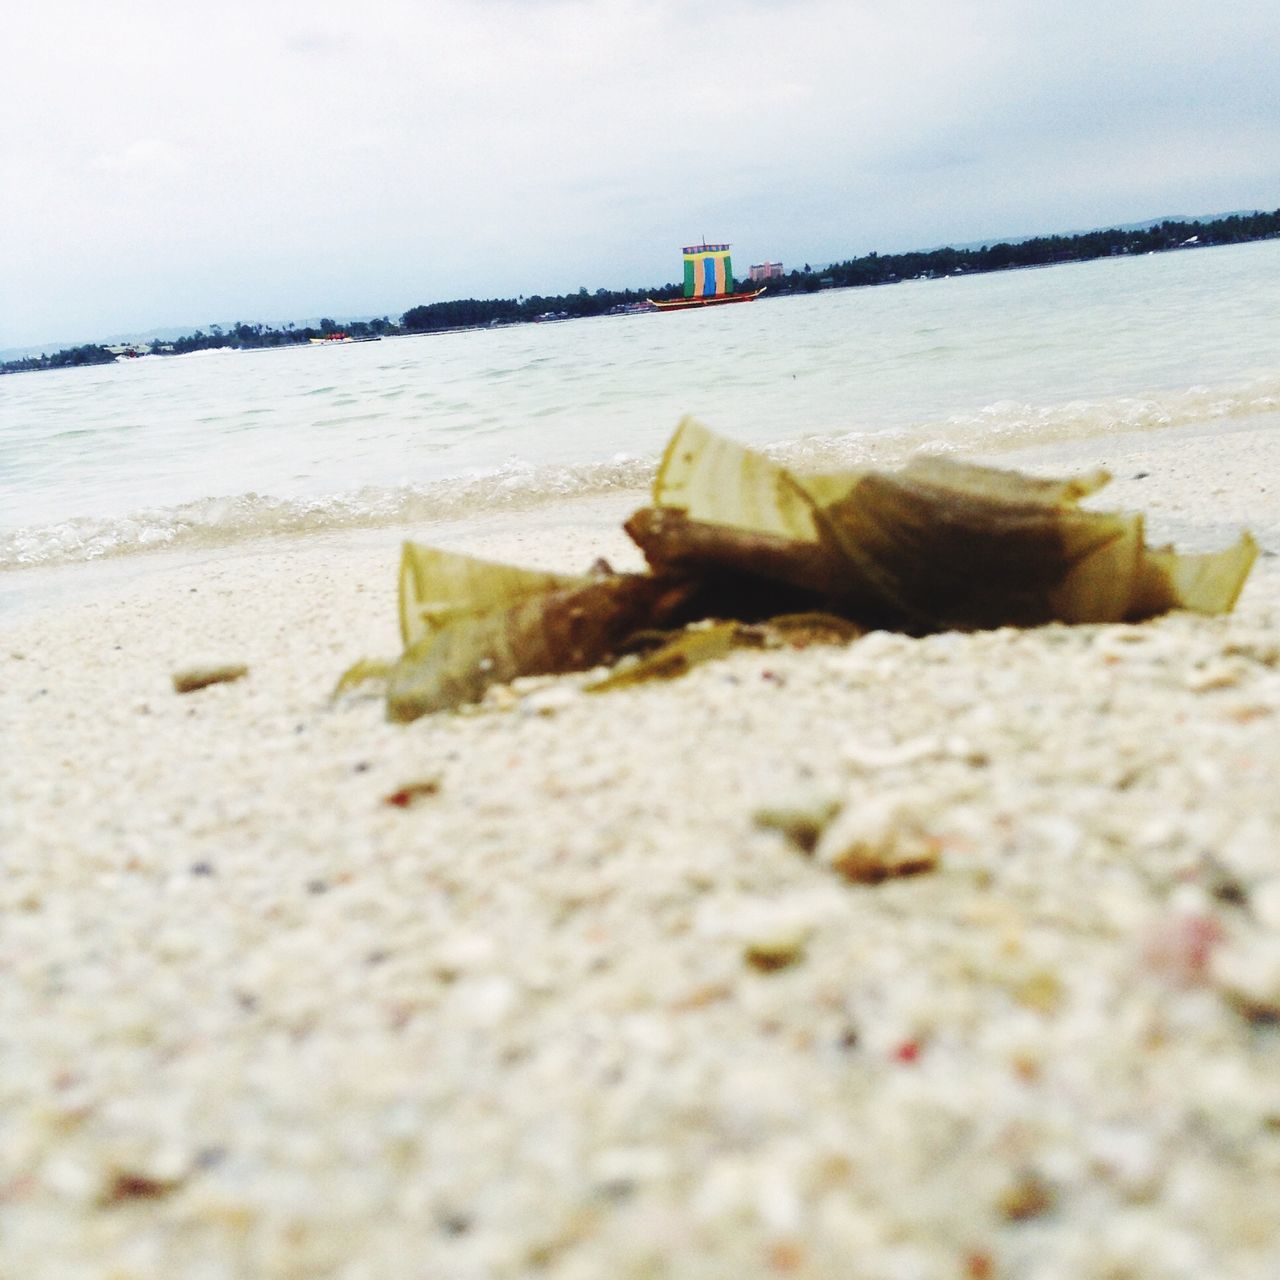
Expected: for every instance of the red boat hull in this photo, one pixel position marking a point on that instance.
(689, 304)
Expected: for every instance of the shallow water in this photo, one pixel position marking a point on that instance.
(218, 448)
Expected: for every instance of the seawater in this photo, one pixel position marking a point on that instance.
(217, 448)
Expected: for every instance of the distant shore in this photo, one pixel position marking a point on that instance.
(871, 269)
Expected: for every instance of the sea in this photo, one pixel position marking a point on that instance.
(220, 449)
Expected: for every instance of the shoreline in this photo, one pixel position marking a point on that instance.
(261, 1017)
(542, 530)
(27, 588)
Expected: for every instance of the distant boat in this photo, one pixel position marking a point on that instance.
(708, 280)
(329, 339)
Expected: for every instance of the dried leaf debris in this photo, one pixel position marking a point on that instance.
(736, 543)
(189, 679)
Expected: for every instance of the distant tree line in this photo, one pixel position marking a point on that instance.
(1040, 251)
(91, 353)
(469, 313)
(243, 337)
(873, 268)
(239, 336)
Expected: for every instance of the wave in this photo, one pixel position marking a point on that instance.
(1001, 427)
(221, 521)
(1010, 425)
(1007, 426)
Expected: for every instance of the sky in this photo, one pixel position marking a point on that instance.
(183, 164)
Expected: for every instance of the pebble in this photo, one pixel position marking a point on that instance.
(1028, 1195)
(484, 1001)
(552, 700)
(1247, 971)
(1264, 902)
(1179, 945)
(877, 836)
(1215, 675)
(461, 953)
(867, 757)
(409, 794)
(775, 951)
(801, 819)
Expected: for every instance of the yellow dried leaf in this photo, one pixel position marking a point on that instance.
(733, 535)
(437, 586)
(563, 629)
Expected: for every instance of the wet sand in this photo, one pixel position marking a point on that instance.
(572, 1008)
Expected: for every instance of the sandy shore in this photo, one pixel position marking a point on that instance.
(575, 1011)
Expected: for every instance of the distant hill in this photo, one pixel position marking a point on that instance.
(43, 349)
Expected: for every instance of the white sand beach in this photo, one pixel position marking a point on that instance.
(572, 1010)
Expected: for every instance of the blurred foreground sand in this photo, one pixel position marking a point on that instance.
(255, 1021)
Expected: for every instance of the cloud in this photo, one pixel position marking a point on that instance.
(395, 152)
(153, 158)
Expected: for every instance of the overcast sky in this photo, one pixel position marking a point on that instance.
(183, 163)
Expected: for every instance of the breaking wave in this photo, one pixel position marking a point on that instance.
(1007, 426)
(216, 522)
(998, 428)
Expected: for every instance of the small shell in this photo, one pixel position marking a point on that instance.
(1215, 675)
(877, 838)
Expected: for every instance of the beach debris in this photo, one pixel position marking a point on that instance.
(1178, 946)
(878, 838)
(738, 544)
(978, 1264)
(1028, 1194)
(1258, 647)
(548, 701)
(365, 671)
(776, 950)
(438, 587)
(801, 820)
(699, 642)
(699, 997)
(1246, 973)
(126, 1185)
(492, 640)
(908, 1052)
(189, 679)
(1222, 883)
(939, 544)
(678, 655)
(1215, 675)
(406, 796)
(869, 757)
(1041, 991)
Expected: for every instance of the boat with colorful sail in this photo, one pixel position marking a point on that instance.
(708, 280)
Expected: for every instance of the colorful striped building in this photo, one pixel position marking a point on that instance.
(708, 271)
